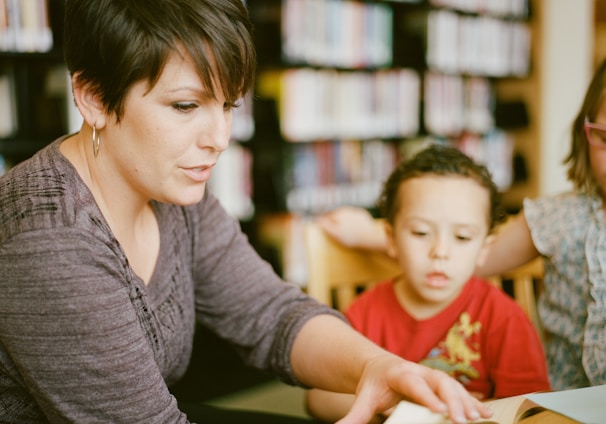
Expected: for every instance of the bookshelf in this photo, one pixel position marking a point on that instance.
(345, 89)
(33, 79)
(356, 85)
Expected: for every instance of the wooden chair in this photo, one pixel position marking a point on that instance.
(336, 273)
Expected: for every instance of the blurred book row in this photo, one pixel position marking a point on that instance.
(327, 104)
(477, 45)
(352, 34)
(24, 26)
(324, 175)
(348, 34)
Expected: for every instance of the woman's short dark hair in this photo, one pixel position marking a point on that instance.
(112, 44)
(440, 160)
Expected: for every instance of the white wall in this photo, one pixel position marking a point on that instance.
(567, 60)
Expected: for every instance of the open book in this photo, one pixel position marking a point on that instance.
(505, 411)
(585, 405)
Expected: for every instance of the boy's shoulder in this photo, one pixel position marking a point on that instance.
(492, 301)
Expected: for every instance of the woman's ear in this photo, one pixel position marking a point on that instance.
(88, 102)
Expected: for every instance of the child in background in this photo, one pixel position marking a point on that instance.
(568, 230)
(440, 209)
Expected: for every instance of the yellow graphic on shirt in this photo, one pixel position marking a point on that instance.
(455, 354)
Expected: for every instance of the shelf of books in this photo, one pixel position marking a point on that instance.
(359, 85)
(33, 93)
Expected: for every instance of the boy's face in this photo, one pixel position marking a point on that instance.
(438, 237)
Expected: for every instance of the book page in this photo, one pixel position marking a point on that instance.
(512, 409)
(505, 411)
(412, 413)
(586, 405)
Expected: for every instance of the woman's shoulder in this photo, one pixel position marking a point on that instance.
(559, 214)
(560, 202)
(43, 193)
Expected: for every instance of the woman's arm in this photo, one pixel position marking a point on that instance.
(331, 406)
(329, 354)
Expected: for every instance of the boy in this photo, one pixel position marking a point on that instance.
(440, 209)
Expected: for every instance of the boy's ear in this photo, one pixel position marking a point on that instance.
(88, 102)
(488, 241)
(390, 240)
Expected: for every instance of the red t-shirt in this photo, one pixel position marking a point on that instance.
(483, 338)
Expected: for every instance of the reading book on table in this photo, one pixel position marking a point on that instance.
(585, 405)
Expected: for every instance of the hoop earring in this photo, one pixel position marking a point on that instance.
(96, 141)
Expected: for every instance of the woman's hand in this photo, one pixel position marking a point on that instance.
(330, 355)
(387, 378)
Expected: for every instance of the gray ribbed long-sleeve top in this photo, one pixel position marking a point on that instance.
(83, 339)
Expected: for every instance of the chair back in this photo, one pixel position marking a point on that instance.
(336, 273)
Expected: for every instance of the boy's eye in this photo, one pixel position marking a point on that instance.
(463, 238)
(184, 107)
(419, 233)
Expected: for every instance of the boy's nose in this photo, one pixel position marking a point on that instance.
(440, 249)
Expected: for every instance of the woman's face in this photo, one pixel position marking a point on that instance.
(169, 137)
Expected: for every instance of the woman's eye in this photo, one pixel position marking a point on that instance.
(463, 238)
(230, 105)
(184, 107)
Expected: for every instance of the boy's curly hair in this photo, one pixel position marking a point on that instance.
(443, 161)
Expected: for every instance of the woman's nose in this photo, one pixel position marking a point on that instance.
(218, 129)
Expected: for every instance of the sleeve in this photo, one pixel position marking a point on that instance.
(548, 220)
(242, 299)
(71, 333)
(517, 360)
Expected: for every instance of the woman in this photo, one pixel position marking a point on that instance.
(114, 247)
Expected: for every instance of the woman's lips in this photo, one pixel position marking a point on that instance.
(199, 174)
